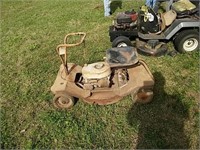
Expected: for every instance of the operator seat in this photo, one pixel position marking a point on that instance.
(184, 7)
(167, 19)
(121, 56)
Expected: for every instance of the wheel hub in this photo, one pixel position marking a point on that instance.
(190, 44)
(122, 44)
(63, 101)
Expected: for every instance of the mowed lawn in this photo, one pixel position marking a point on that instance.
(30, 32)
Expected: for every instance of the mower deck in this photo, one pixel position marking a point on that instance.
(139, 78)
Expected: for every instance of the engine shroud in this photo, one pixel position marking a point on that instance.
(126, 17)
(97, 70)
(96, 75)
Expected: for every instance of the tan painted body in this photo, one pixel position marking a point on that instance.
(139, 78)
(102, 83)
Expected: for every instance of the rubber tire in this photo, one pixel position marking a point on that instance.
(62, 96)
(121, 39)
(142, 97)
(182, 37)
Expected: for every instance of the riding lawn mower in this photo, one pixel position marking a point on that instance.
(152, 31)
(104, 82)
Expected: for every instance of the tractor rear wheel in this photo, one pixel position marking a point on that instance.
(187, 41)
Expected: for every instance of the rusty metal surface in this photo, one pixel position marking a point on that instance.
(66, 83)
(126, 76)
(110, 100)
(139, 77)
(143, 48)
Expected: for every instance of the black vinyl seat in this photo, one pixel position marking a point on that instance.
(121, 56)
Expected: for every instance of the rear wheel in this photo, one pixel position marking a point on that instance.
(187, 41)
(121, 41)
(142, 96)
(63, 101)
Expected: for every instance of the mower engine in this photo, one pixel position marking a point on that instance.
(96, 75)
(126, 20)
(100, 75)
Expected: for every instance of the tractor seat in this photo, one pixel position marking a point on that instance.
(167, 19)
(184, 7)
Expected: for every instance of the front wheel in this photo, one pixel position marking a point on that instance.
(121, 41)
(187, 41)
(63, 101)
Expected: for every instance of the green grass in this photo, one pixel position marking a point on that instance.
(30, 32)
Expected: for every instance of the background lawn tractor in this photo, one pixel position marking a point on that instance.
(152, 31)
(103, 82)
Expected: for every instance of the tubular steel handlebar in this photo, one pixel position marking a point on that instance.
(61, 49)
(71, 45)
(83, 34)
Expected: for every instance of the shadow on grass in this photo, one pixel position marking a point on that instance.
(114, 5)
(160, 124)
